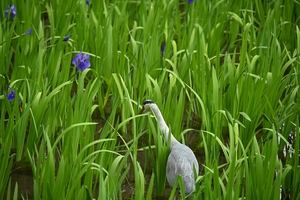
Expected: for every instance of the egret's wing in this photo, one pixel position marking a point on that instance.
(180, 162)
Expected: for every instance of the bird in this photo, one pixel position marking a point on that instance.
(181, 160)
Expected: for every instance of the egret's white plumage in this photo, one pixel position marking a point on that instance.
(181, 160)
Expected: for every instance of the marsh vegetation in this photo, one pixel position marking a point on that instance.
(75, 73)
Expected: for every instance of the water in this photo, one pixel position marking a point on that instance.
(21, 174)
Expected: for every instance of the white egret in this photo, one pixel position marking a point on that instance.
(181, 160)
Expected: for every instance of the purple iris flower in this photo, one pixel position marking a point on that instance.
(11, 11)
(28, 32)
(81, 61)
(66, 38)
(88, 2)
(163, 47)
(191, 1)
(11, 96)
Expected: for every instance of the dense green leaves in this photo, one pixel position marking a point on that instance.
(228, 76)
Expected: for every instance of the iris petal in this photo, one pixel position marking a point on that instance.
(77, 59)
(66, 38)
(29, 32)
(87, 64)
(11, 11)
(85, 57)
(81, 61)
(81, 66)
(11, 96)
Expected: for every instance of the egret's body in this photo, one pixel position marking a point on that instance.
(181, 160)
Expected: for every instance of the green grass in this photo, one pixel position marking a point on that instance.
(229, 74)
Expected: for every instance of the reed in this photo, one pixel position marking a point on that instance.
(224, 71)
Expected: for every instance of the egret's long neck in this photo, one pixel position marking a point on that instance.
(163, 126)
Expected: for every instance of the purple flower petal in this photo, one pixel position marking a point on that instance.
(12, 7)
(81, 61)
(88, 2)
(11, 96)
(76, 59)
(87, 64)
(29, 32)
(80, 66)
(66, 38)
(6, 13)
(11, 11)
(163, 46)
(85, 57)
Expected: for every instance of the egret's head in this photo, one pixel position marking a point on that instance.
(148, 106)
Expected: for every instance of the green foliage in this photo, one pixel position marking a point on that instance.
(230, 67)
